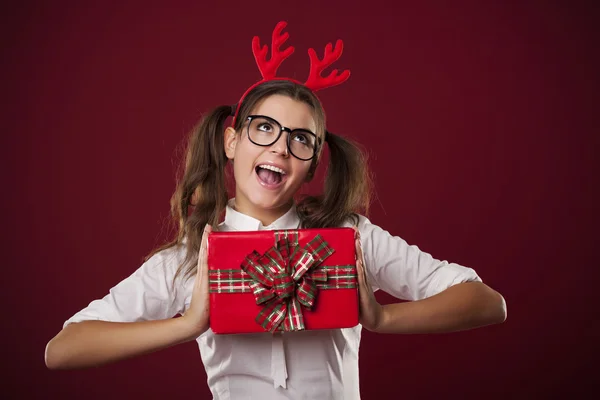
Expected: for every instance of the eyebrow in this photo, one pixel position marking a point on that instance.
(285, 125)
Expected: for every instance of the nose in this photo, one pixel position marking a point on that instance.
(280, 146)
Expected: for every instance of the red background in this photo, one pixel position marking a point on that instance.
(482, 125)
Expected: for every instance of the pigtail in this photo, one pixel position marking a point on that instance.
(347, 189)
(200, 196)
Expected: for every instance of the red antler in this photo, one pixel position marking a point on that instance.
(268, 69)
(315, 81)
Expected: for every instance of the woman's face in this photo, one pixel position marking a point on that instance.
(259, 189)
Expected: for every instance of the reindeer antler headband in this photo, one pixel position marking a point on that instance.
(268, 68)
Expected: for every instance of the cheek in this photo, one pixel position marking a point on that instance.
(302, 169)
(245, 155)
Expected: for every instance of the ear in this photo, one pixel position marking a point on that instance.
(313, 166)
(311, 172)
(230, 141)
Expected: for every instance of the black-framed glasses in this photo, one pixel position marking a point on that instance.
(264, 131)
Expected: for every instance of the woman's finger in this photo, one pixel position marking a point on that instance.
(363, 281)
(202, 267)
(359, 253)
(359, 263)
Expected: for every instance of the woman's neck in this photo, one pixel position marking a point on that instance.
(265, 215)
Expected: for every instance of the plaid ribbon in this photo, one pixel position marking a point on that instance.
(284, 279)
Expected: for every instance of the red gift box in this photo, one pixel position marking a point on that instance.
(282, 280)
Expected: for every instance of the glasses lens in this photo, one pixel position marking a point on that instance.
(263, 131)
(302, 144)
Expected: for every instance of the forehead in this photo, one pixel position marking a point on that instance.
(288, 112)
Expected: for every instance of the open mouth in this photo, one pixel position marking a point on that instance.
(269, 175)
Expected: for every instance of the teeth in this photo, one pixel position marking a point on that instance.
(272, 168)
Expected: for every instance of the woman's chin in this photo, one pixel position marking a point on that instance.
(268, 201)
(261, 198)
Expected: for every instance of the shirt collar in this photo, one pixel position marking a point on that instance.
(235, 220)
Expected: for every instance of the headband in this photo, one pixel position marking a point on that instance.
(268, 68)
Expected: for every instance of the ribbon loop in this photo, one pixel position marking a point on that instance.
(284, 285)
(253, 265)
(284, 279)
(307, 292)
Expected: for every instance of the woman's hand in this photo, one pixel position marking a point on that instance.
(370, 311)
(197, 315)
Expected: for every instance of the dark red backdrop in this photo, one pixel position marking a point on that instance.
(482, 125)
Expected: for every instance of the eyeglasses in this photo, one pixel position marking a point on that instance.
(264, 131)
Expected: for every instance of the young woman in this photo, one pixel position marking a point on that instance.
(274, 145)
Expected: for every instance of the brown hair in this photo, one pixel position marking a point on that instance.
(201, 195)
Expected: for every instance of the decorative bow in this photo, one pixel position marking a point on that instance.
(284, 279)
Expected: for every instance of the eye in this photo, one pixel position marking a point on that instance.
(264, 127)
(304, 138)
(301, 137)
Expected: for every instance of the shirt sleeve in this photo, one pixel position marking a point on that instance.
(405, 271)
(147, 294)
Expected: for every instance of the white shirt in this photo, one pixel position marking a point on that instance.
(319, 364)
